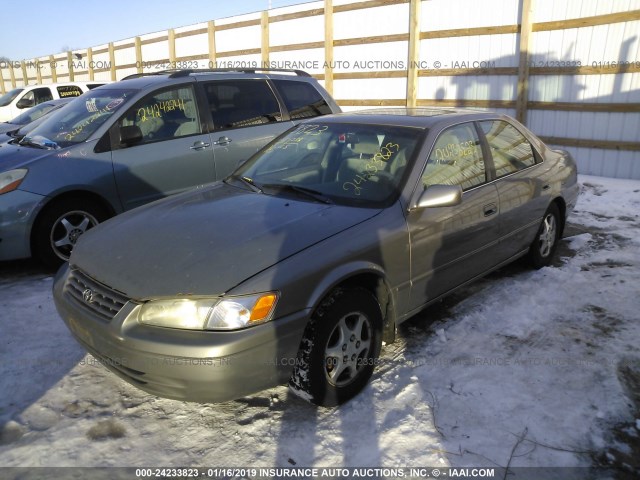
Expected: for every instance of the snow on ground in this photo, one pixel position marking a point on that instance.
(527, 368)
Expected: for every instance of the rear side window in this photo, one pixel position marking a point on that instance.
(511, 151)
(456, 159)
(241, 103)
(69, 91)
(302, 99)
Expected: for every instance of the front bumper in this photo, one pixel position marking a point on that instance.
(200, 366)
(17, 213)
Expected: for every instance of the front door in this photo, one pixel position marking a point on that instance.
(450, 245)
(173, 155)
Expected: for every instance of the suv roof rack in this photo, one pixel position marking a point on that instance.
(175, 73)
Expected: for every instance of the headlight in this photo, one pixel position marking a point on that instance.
(11, 180)
(209, 313)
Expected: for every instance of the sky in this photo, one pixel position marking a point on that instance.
(74, 24)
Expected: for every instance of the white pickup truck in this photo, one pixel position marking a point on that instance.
(20, 99)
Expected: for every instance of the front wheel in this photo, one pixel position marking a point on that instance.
(545, 243)
(60, 225)
(339, 349)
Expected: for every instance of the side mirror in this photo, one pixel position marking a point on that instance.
(130, 135)
(25, 103)
(439, 196)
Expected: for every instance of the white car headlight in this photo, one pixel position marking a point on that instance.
(229, 313)
(11, 179)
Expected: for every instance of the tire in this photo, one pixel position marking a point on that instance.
(60, 225)
(347, 323)
(545, 243)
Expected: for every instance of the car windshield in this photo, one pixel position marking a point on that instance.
(79, 119)
(34, 113)
(8, 97)
(348, 164)
(29, 127)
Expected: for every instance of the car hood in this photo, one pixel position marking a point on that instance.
(16, 156)
(205, 242)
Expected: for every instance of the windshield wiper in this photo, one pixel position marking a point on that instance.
(27, 142)
(39, 142)
(308, 192)
(247, 181)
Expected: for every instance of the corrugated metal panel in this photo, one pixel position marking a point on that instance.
(606, 163)
(450, 14)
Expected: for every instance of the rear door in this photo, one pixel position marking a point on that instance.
(451, 245)
(522, 186)
(245, 116)
(173, 154)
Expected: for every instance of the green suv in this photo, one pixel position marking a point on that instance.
(131, 142)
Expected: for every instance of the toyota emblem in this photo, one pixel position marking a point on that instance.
(87, 295)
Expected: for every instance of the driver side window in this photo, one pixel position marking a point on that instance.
(164, 115)
(456, 159)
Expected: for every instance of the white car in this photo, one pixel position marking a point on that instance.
(18, 100)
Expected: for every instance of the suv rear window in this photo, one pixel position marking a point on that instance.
(241, 103)
(69, 91)
(301, 99)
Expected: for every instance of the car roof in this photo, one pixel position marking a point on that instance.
(411, 117)
(140, 81)
(63, 84)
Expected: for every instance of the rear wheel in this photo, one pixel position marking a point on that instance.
(339, 349)
(59, 226)
(545, 243)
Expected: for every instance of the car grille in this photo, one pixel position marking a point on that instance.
(94, 296)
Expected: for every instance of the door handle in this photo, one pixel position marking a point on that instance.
(490, 209)
(199, 145)
(222, 141)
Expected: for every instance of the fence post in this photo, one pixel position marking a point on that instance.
(211, 32)
(172, 47)
(414, 53)
(12, 74)
(52, 63)
(112, 62)
(138, 43)
(526, 15)
(90, 63)
(2, 89)
(328, 46)
(264, 38)
(70, 66)
(38, 72)
(25, 77)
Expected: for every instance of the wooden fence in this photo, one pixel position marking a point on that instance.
(523, 69)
